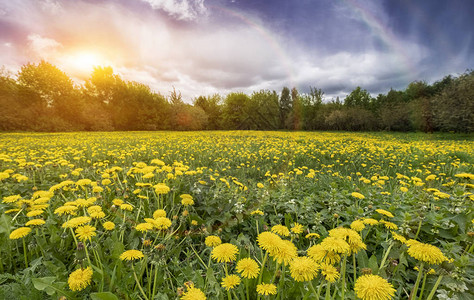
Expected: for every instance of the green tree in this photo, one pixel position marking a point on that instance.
(212, 106)
(312, 109)
(57, 92)
(235, 111)
(453, 108)
(285, 106)
(358, 98)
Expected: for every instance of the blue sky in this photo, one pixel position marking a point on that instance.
(202, 47)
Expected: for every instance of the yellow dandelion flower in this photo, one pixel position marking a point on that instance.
(117, 202)
(269, 241)
(80, 279)
(248, 268)
(370, 221)
(193, 293)
(20, 233)
(230, 282)
(425, 252)
(303, 268)
(83, 182)
(266, 289)
(329, 272)
(161, 189)
(286, 252)
(225, 252)
(389, 225)
(11, 199)
(142, 227)
(373, 287)
(319, 254)
(162, 223)
(35, 213)
(336, 245)
(297, 228)
(66, 210)
(257, 212)
(96, 212)
(260, 185)
(85, 202)
(403, 189)
(465, 175)
(159, 213)
(213, 241)
(357, 195)
(357, 225)
(131, 255)
(126, 206)
(312, 235)
(35, 222)
(187, 199)
(108, 225)
(349, 235)
(74, 222)
(399, 237)
(85, 232)
(281, 230)
(384, 212)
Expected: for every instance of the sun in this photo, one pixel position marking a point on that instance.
(81, 63)
(85, 61)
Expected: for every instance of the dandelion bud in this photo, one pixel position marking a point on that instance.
(366, 271)
(160, 247)
(80, 252)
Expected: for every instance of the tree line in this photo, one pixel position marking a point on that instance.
(43, 98)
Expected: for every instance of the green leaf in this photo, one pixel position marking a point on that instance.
(161, 296)
(5, 222)
(373, 264)
(103, 296)
(48, 285)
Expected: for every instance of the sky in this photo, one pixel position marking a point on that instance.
(203, 47)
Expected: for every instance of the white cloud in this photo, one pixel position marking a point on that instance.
(186, 10)
(50, 6)
(42, 47)
(199, 58)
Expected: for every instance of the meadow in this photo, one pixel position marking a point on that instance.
(236, 215)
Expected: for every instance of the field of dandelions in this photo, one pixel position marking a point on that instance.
(236, 215)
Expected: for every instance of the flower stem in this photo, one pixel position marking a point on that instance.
(435, 287)
(419, 228)
(263, 267)
(328, 291)
(138, 283)
(385, 257)
(247, 283)
(354, 265)
(312, 288)
(423, 286)
(343, 280)
(417, 283)
(24, 252)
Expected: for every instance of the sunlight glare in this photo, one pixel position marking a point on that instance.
(85, 61)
